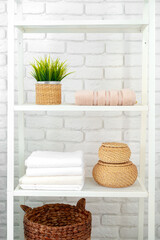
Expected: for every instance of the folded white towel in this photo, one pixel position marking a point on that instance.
(56, 180)
(47, 159)
(52, 187)
(72, 171)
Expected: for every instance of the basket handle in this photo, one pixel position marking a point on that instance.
(25, 208)
(81, 203)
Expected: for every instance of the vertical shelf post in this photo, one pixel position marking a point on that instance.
(21, 141)
(143, 118)
(151, 131)
(10, 136)
(20, 101)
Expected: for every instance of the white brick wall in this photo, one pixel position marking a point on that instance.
(100, 61)
(46, 46)
(64, 8)
(104, 60)
(104, 8)
(131, 8)
(85, 47)
(32, 8)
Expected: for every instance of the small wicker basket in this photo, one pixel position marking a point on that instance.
(48, 94)
(57, 221)
(114, 152)
(115, 175)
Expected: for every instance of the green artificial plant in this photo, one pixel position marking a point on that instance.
(46, 69)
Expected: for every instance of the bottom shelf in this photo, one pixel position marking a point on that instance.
(90, 189)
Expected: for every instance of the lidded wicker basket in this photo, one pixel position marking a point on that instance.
(48, 94)
(114, 152)
(114, 169)
(115, 175)
(57, 221)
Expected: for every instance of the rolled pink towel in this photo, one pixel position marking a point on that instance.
(107, 98)
(95, 98)
(120, 98)
(84, 97)
(113, 98)
(129, 97)
(124, 97)
(101, 98)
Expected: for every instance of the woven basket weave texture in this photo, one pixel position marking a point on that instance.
(57, 222)
(48, 94)
(115, 175)
(114, 152)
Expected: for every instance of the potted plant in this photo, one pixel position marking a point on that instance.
(49, 74)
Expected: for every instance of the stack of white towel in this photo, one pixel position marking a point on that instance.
(54, 171)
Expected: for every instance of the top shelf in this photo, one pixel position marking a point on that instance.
(87, 26)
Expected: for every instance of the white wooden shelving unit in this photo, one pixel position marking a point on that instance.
(146, 27)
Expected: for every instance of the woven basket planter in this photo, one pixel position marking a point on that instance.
(115, 175)
(114, 152)
(48, 94)
(57, 221)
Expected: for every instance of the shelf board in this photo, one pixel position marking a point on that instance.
(88, 26)
(90, 189)
(72, 107)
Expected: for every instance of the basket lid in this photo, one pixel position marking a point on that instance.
(125, 164)
(115, 145)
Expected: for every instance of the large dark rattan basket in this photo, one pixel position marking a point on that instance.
(57, 221)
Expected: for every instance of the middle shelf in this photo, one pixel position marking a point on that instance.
(72, 107)
(90, 189)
